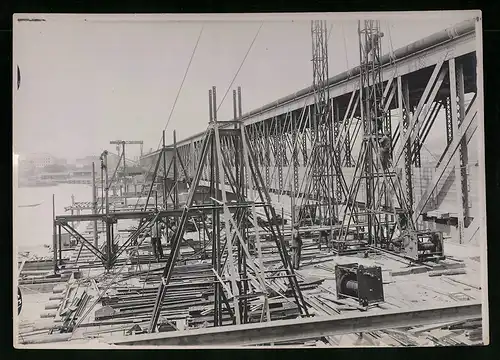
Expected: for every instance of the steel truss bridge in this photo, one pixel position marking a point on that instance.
(270, 150)
(420, 80)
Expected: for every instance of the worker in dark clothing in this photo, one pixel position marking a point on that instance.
(323, 238)
(372, 42)
(156, 241)
(380, 119)
(436, 240)
(160, 246)
(403, 221)
(296, 249)
(385, 151)
(169, 234)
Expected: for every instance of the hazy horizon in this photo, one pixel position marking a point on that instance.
(85, 83)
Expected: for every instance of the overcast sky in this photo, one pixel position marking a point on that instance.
(84, 83)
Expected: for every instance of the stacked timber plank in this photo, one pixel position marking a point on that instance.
(188, 303)
(97, 304)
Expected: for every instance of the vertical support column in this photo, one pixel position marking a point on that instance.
(102, 187)
(389, 130)
(295, 155)
(292, 208)
(463, 149)
(304, 140)
(59, 235)
(449, 122)
(239, 103)
(367, 103)
(106, 182)
(72, 209)
(347, 144)
(215, 250)
(125, 185)
(243, 179)
(276, 156)
(192, 159)
(216, 245)
(267, 135)
(156, 207)
(416, 150)
(164, 155)
(388, 119)
(454, 101)
(239, 195)
(218, 179)
(94, 206)
(279, 144)
(240, 114)
(235, 114)
(284, 140)
(333, 179)
(244, 175)
(227, 217)
(338, 156)
(54, 235)
(109, 239)
(407, 152)
(348, 118)
(176, 175)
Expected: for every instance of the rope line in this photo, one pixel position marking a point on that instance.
(241, 65)
(173, 108)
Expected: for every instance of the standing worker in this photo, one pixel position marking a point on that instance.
(372, 42)
(380, 117)
(169, 234)
(385, 151)
(296, 249)
(160, 246)
(156, 241)
(323, 238)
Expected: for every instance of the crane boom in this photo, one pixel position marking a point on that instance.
(123, 143)
(130, 142)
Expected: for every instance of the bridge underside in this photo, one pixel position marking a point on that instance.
(418, 85)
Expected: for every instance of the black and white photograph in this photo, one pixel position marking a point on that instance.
(306, 180)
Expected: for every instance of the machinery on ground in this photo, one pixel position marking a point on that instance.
(420, 245)
(364, 284)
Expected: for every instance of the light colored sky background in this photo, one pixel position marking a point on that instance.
(85, 83)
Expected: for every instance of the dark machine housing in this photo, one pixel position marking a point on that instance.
(363, 284)
(422, 245)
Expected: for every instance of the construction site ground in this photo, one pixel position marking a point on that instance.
(133, 284)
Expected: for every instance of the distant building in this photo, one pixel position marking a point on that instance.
(36, 161)
(86, 162)
(60, 177)
(61, 161)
